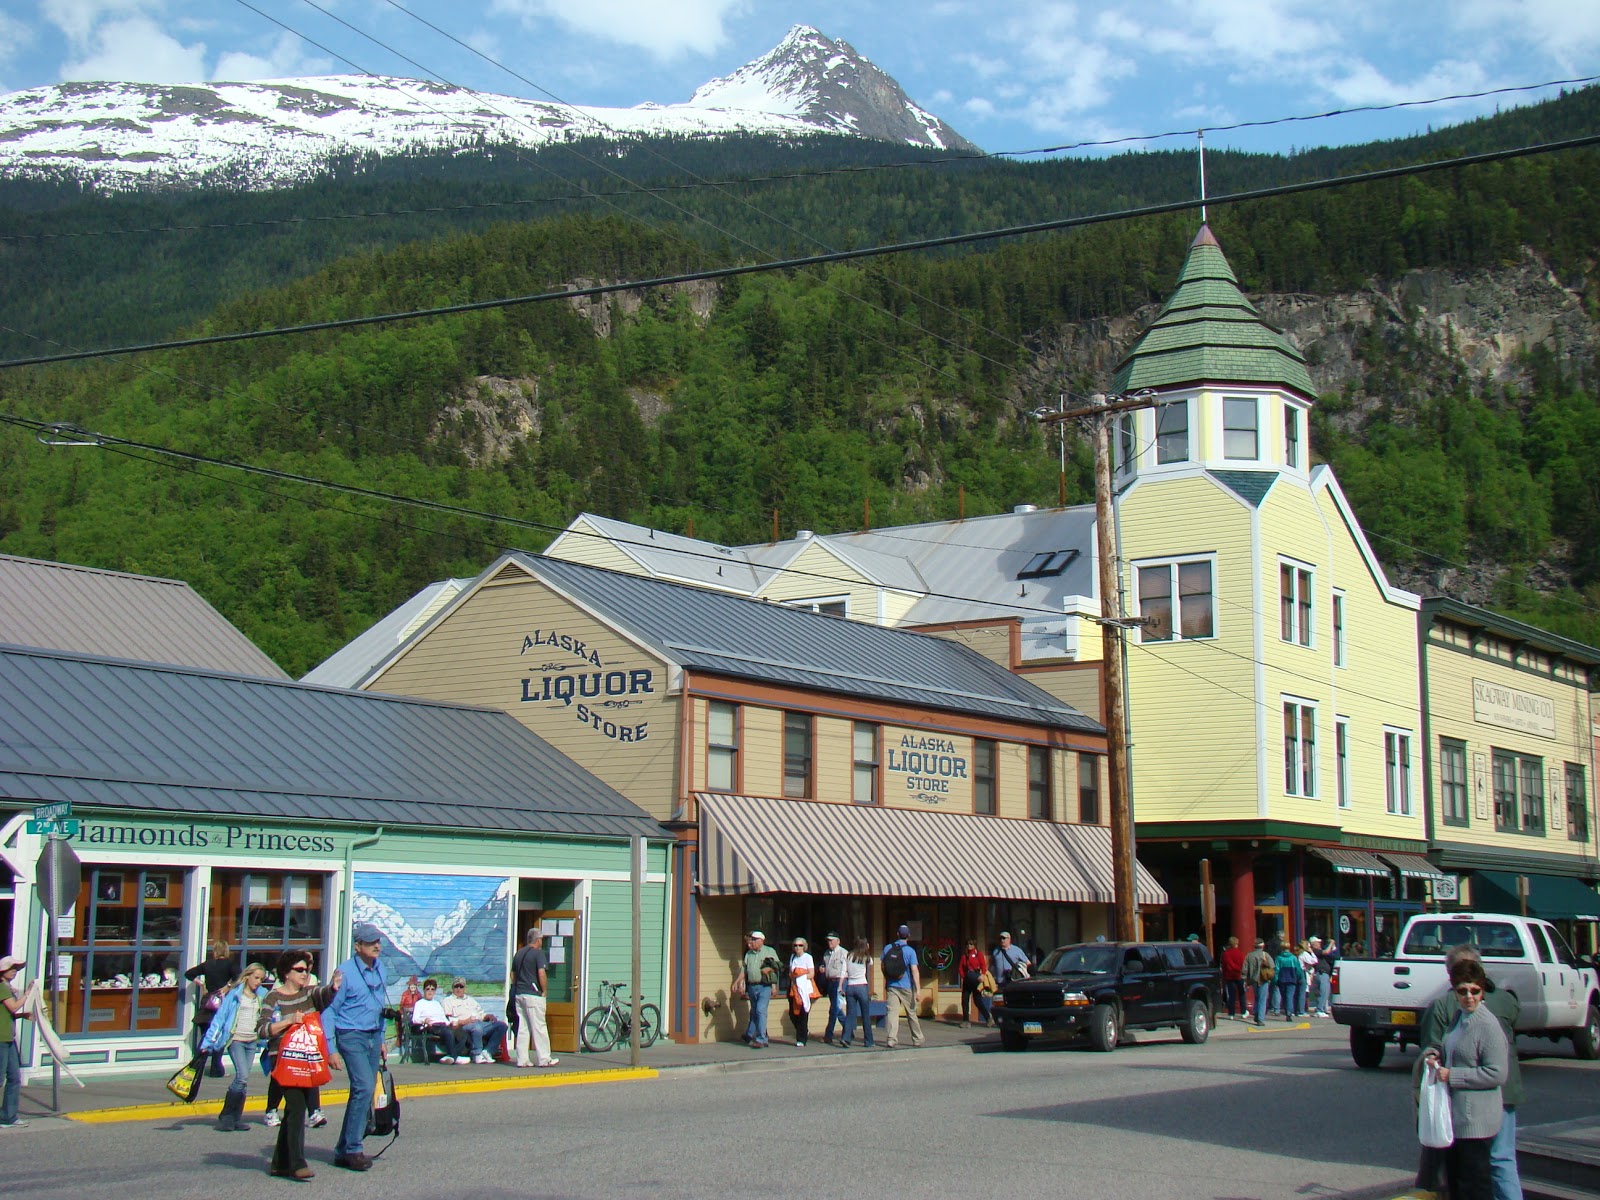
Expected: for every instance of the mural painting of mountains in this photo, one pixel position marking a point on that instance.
(479, 951)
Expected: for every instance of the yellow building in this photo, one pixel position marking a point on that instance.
(822, 774)
(1507, 720)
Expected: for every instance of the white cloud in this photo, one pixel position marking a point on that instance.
(14, 38)
(136, 50)
(78, 19)
(1363, 83)
(1566, 31)
(284, 60)
(664, 30)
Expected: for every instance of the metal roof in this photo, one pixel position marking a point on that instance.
(752, 639)
(183, 740)
(350, 664)
(57, 606)
(1207, 332)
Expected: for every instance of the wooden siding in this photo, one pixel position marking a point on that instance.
(610, 941)
(817, 573)
(582, 544)
(721, 945)
(479, 654)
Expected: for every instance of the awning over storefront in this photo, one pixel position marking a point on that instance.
(1553, 897)
(1413, 866)
(1351, 862)
(754, 844)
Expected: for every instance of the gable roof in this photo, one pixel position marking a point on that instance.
(349, 664)
(182, 740)
(57, 606)
(750, 639)
(1207, 332)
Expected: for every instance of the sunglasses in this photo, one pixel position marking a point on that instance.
(458, 987)
(1469, 989)
(300, 967)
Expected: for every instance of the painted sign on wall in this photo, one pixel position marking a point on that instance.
(567, 672)
(1511, 708)
(925, 766)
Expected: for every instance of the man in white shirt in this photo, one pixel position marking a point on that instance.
(428, 1017)
(468, 1019)
(833, 969)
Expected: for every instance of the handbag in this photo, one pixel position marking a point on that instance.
(1435, 1126)
(383, 1119)
(302, 1055)
(986, 984)
(185, 1081)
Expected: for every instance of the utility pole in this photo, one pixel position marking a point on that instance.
(1099, 416)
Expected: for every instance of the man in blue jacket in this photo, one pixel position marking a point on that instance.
(354, 1025)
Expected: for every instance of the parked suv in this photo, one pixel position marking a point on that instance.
(1099, 989)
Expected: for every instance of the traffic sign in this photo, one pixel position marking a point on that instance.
(64, 827)
(52, 812)
(58, 876)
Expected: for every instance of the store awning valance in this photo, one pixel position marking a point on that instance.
(1414, 866)
(751, 844)
(1553, 897)
(1351, 862)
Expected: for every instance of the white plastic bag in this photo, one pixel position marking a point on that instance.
(1435, 1128)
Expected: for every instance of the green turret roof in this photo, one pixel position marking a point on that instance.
(1209, 333)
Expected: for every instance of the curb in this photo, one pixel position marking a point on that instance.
(453, 1087)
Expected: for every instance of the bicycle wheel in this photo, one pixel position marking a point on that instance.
(598, 1031)
(649, 1024)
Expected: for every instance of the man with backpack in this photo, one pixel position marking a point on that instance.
(902, 984)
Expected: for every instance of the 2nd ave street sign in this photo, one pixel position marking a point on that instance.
(66, 827)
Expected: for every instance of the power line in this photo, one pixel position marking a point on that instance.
(957, 239)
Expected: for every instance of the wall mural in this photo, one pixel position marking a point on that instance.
(438, 925)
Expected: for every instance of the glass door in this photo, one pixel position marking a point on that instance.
(1272, 923)
(562, 935)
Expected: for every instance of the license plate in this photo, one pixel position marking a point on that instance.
(1398, 1017)
(1032, 1027)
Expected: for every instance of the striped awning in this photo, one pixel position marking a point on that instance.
(763, 844)
(1352, 862)
(1413, 866)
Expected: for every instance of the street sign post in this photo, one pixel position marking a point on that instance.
(57, 876)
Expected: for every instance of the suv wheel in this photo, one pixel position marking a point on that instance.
(1367, 1049)
(1196, 1027)
(1103, 1028)
(1010, 1039)
(1586, 1038)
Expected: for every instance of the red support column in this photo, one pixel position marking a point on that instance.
(1244, 897)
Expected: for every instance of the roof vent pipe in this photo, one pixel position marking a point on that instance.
(803, 535)
(1025, 508)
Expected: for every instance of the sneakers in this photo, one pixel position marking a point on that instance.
(19, 1123)
(316, 1120)
(484, 1058)
(463, 1060)
(550, 1062)
(274, 1118)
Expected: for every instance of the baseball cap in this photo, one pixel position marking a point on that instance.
(833, 935)
(367, 932)
(10, 961)
(756, 933)
(904, 931)
(1315, 941)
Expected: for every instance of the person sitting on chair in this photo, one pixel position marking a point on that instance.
(429, 1019)
(469, 1020)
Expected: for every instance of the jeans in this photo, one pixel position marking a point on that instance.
(1233, 996)
(1324, 993)
(760, 995)
(969, 992)
(1263, 991)
(449, 1037)
(834, 990)
(244, 1057)
(1503, 1158)
(1289, 993)
(11, 1079)
(901, 1001)
(857, 1005)
(531, 1027)
(362, 1052)
(485, 1034)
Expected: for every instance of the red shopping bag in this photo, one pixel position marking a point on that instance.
(303, 1055)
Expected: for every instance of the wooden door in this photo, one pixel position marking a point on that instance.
(562, 931)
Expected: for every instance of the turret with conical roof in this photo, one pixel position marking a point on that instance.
(1208, 332)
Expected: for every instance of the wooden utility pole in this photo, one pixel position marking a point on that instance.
(1099, 416)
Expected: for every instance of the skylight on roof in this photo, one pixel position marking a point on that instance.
(1047, 564)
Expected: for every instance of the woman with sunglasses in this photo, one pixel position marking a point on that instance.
(287, 1005)
(1472, 1062)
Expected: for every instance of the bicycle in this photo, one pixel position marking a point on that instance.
(606, 1024)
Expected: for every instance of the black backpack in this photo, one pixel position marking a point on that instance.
(894, 963)
(384, 1118)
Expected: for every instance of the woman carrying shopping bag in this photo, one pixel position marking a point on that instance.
(292, 1026)
(1473, 1063)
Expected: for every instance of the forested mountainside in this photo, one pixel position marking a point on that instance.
(1450, 320)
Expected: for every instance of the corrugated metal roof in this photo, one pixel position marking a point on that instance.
(183, 740)
(349, 665)
(750, 639)
(111, 614)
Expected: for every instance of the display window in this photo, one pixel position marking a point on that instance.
(122, 966)
(260, 914)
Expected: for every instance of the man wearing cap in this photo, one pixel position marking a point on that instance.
(1008, 960)
(900, 995)
(10, 1060)
(1327, 956)
(483, 1032)
(758, 975)
(833, 971)
(354, 1025)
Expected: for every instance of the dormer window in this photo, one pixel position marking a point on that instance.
(1172, 431)
(1291, 435)
(1046, 565)
(1241, 428)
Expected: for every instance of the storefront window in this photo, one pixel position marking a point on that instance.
(260, 914)
(124, 960)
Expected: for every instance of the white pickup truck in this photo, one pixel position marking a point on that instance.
(1383, 1000)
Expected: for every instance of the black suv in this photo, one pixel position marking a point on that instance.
(1099, 989)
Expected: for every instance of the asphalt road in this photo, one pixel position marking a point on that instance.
(1283, 1113)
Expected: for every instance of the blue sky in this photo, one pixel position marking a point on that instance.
(1011, 75)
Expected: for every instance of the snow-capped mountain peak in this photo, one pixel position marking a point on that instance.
(275, 133)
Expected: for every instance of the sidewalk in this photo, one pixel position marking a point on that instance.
(143, 1096)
